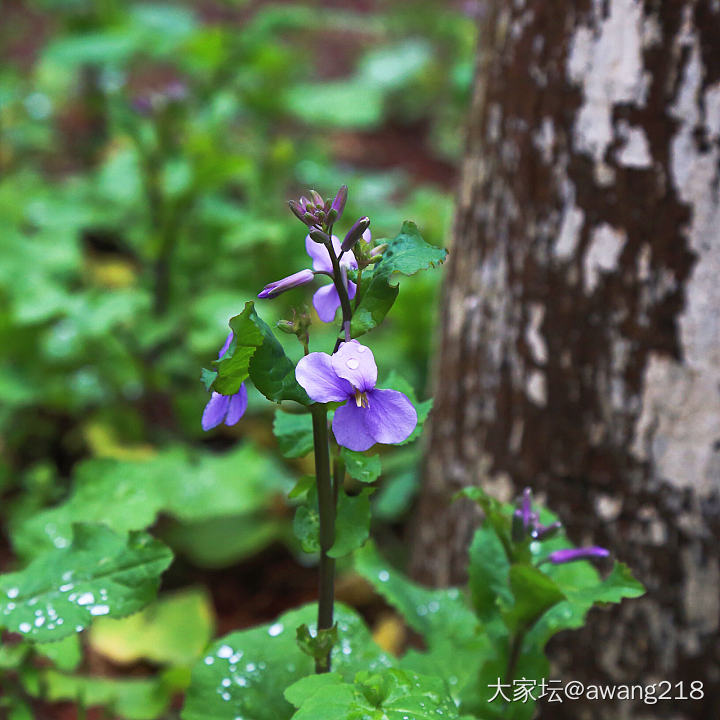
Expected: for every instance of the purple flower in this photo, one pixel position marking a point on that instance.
(326, 300)
(569, 554)
(297, 279)
(227, 408)
(370, 415)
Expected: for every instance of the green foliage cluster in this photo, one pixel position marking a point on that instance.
(146, 148)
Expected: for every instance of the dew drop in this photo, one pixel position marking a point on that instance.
(13, 592)
(39, 621)
(86, 599)
(24, 627)
(276, 629)
(226, 682)
(209, 660)
(99, 610)
(353, 363)
(383, 576)
(226, 696)
(225, 651)
(67, 587)
(360, 348)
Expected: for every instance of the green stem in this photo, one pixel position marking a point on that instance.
(326, 511)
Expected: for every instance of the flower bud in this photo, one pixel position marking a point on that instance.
(297, 279)
(338, 204)
(297, 210)
(571, 554)
(309, 219)
(355, 233)
(319, 236)
(377, 252)
(317, 199)
(286, 326)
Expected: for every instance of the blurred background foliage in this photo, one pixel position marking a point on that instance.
(147, 151)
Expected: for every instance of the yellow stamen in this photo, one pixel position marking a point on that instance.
(361, 399)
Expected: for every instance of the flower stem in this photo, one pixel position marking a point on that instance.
(326, 510)
(341, 287)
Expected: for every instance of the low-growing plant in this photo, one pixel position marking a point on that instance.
(526, 582)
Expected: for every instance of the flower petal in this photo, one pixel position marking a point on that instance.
(225, 347)
(321, 257)
(326, 302)
(356, 363)
(238, 405)
(315, 373)
(349, 427)
(390, 417)
(215, 411)
(319, 254)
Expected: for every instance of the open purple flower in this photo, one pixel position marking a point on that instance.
(326, 300)
(225, 408)
(370, 415)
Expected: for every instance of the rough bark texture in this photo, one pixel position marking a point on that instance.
(581, 321)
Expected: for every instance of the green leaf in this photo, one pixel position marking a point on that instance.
(344, 104)
(174, 630)
(489, 573)
(302, 486)
(396, 382)
(208, 377)
(127, 698)
(392, 693)
(245, 673)
(100, 573)
(352, 525)
(534, 594)
(361, 467)
(306, 525)
(65, 654)
(317, 645)
(407, 254)
(129, 494)
(234, 366)
(294, 433)
(433, 613)
(272, 371)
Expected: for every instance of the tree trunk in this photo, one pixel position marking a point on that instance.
(580, 348)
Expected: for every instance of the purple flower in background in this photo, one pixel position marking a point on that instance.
(297, 279)
(326, 300)
(370, 415)
(225, 408)
(569, 554)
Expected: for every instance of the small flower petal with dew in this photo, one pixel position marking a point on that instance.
(369, 415)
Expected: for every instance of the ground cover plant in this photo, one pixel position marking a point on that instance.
(146, 152)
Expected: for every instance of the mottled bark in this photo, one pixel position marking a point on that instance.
(580, 348)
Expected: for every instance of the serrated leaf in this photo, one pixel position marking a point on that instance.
(294, 433)
(245, 673)
(361, 467)
(352, 525)
(407, 254)
(100, 573)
